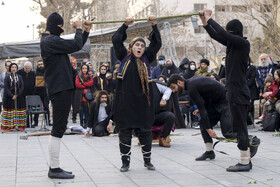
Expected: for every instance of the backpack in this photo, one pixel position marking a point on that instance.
(271, 121)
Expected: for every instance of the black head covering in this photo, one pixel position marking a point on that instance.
(236, 27)
(12, 65)
(102, 76)
(53, 20)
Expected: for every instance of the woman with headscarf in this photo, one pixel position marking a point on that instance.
(190, 72)
(133, 107)
(84, 83)
(14, 113)
(170, 69)
(101, 82)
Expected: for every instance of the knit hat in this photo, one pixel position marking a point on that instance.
(161, 57)
(269, 78)
(53, 20)
(204, 61)
(235, 26)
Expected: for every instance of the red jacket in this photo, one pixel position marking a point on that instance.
(273, 88)
(85, 85)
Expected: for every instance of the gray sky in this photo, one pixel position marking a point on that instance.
(15, 15)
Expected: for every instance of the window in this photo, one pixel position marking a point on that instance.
(239, 8)
(198, 7)
(199, 30)
(221, 8)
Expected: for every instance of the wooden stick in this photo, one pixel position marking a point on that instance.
(144, 19)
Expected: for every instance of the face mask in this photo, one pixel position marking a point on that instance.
(169, 66)
(192, 67)
(223, 62)
(103, 104)
(161, 62)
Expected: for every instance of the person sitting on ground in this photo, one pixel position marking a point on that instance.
(269, 95)
(163, 114)
(204, 69)
(100, 115)
(169, 69)
(84, 83)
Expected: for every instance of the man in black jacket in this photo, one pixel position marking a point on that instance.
(238, 49)
(28, 77)
(207, 94)
(99, 115)
(40, 89)
(59, 81)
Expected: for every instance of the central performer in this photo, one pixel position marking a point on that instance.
(133, 105)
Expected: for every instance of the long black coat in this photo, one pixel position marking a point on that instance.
(59, 75)
(28, 80)
(238, 49)
(251, 78)
(131, 108)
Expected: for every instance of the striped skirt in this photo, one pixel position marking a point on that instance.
(11, 116)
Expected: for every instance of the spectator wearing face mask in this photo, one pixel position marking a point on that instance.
(184, 66)
(158, 69)
(190, 70)
(170, 69)
(222, 71)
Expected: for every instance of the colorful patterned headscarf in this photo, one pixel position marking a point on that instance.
(142, 71)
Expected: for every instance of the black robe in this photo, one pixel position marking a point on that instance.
(131, 108)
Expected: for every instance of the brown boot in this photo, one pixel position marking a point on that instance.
(163, 142)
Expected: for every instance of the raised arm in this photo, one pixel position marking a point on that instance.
(119, 37)
(212, 33)
(234, 39)
(155, 40)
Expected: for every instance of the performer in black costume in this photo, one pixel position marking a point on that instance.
(59, 80)
(133, 105)
(237, 56)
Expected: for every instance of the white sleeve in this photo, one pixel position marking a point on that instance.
(166, 91)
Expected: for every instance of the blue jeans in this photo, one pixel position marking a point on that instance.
(83, 113)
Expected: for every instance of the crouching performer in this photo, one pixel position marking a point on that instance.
(133, 105)
(210, 96)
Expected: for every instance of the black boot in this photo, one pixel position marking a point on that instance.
(206, 155)
(148, 164)
(240, 167)
(58, 173)
(254, 145)
(125, 162)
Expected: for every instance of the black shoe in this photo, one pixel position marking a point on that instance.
(125, 162)
(58, 173)
(34, 125)
(240, 167)
(254, 145)
(149, 166)
(50, 124)
(206, 155)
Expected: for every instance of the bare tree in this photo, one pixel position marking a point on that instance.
(68, 10)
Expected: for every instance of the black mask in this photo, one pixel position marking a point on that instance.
(169, 66)
(236, 27)
(53, 20)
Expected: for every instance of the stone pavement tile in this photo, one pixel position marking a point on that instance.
(113, 177)
(7, 183)
(150, 181)
(127, 184)
(191, 179)
(30, 179)
(143, 175)
(240, 182)
(76, 184)
(36, 184)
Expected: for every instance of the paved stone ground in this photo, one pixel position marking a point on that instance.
(96, 161)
